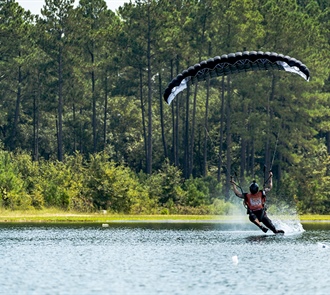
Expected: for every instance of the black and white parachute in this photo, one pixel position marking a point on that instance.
(234, 63)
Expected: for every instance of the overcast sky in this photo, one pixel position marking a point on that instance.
(35, 5)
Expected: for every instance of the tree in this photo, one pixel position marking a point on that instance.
(239, 27)
(94, 16)
(15, 46)
(143, 20)
(54, 24)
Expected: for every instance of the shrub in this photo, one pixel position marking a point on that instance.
(197, 192)
(165, 185)
(12, 186)
(114, 187)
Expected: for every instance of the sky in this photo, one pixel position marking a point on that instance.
(35, 5)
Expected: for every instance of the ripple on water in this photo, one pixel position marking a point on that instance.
(151, 259)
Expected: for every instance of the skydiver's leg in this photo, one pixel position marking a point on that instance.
(253, 218)
(267, 222)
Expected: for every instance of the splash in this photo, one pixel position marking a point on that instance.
(288, 221)
(290, 226)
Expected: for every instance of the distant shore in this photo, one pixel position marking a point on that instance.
(56, 216)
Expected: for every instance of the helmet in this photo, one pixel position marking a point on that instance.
(254, 187)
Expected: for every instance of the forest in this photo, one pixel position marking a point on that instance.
(84, 125)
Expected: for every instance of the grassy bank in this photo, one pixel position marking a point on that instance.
(60, 216)
(315, 217)
(57, 216)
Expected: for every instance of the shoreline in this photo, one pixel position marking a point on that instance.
(69, 217)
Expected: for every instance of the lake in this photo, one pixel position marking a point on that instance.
(164, 258)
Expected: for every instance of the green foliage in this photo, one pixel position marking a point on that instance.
(313, 191)
(86, 186)
(166, 185)
(83, 78)
(114, 187)
(12, 186)
(197, 192)
(76, 166)
(54, 183)
(220, 207)
(30, 173)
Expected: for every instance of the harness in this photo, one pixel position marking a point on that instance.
(255, 202)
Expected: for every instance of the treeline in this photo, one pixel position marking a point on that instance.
(78, 82)
(100, 184)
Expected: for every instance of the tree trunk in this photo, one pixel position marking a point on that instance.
(60, 107)
(36, 99)
(143, 117)
(161, 103)
(267, 147)
(13, 138)
(94, 108)
(243, 158)
(192, 137)
(206, 128)
(149, 155)
(74, 116)
(222, 120)
(173, 152)
(228, 136)
(105, 114)
(175, 115)
(186, 137)
(252, 172)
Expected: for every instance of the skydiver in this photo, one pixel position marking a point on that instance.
(255, 203)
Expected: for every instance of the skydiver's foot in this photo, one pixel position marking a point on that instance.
(264, 229)
(279, 231)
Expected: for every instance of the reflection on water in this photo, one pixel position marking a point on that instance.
(163, 258)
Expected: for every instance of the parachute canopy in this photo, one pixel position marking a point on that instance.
(234, 63)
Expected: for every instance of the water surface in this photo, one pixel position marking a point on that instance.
(164, 258)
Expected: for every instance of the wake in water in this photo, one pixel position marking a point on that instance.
(282, 215)
(288, 221)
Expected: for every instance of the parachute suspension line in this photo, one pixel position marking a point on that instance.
(239, 183)
(276, 143)
(265, 180)
(208, 135)
(273, 158)
(212, 143)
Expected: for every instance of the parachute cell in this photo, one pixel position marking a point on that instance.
(234, 63)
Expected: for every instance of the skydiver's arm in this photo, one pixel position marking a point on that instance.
(237, 193)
